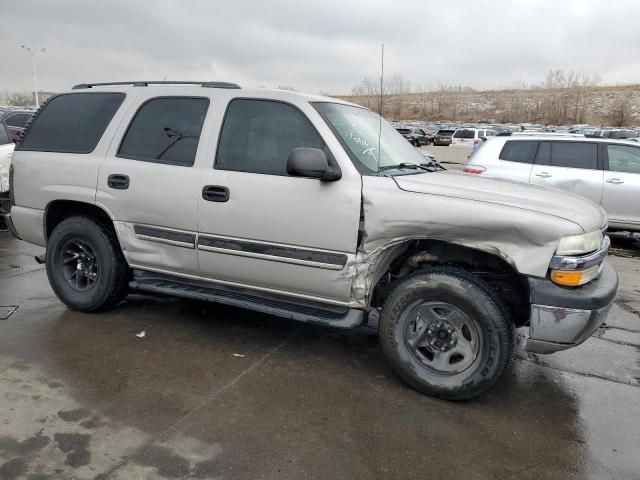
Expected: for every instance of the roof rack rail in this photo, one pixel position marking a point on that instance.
(144, 83)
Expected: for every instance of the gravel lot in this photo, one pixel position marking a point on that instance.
(165, 388)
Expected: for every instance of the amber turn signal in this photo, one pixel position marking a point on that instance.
(570, 279)
(574, 278)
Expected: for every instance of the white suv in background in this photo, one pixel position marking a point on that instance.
(6, 150)
(602, 170)
(471, 136)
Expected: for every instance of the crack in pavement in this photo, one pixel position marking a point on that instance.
(631, 383)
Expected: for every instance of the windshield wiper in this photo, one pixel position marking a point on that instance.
(428, 167)
(399, 166)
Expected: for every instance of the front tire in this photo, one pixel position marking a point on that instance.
(85, 266)
(445, 333)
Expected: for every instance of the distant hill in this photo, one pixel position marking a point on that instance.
(601, 105)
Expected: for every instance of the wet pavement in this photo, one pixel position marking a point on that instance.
(216, 392)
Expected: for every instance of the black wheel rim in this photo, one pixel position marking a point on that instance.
(442, 337)
(80, 267)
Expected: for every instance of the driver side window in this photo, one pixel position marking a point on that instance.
(258, 136)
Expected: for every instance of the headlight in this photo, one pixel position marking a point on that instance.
(580, 244)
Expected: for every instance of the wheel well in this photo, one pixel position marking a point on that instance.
(510, 287)
(60, 210)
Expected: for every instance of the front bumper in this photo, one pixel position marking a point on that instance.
(563, 317)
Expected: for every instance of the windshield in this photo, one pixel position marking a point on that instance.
(372, 144)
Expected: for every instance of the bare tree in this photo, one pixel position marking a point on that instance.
(19, 99)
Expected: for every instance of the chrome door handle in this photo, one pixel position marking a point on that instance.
(543, 175)
(615, 181)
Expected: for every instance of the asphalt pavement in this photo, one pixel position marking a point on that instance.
(164, 388)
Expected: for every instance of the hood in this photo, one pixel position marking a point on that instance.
(581, 211)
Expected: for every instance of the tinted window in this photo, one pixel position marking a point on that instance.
(4, 138)
(166, 130)
(18, 120)
(519, 151)
(403, 131)
(464, 134)
(72, 123)
(445, 133)
(574, 155)
(543, 157)
(623, 159)
(258, 136)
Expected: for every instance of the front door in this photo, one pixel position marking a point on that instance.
(149, 184)
(263, 229)
(622, 184)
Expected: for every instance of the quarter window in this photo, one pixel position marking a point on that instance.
(166, 130)
(574, 155)
(522, 151)
(71, 123)
(623, 158)
(258, 136)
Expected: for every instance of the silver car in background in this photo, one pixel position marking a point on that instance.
(603, 170)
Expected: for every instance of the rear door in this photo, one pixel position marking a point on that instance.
(263, 229)
(570, 166)
(149, 184)
(621, 195)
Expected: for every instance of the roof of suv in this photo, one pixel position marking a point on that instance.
(200, 88)
(560, 138)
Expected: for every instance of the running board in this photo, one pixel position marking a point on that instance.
(274, 304)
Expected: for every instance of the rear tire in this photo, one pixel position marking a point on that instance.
(446, 334)
(85, 266)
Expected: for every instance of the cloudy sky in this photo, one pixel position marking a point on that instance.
(320, 45)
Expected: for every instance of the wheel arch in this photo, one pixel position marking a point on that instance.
(58, 210)
(401, 259)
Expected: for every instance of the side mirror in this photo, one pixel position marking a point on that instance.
(311, 163)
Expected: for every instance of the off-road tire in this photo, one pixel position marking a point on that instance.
(471, 296)
(111, 283)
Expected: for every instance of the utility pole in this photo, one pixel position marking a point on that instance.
(32, 52)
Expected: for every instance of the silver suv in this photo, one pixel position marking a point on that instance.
(310, 208)
(605, 171)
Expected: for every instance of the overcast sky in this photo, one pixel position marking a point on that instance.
(319, 45)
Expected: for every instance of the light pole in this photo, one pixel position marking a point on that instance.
(33, 68)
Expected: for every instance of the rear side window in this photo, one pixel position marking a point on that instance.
(523, 151)
(623, 158)
(574, 155)
(258, 136)
(166, 130)
(464, 134)
(71, 123)
(4, 138)
(18, 120)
